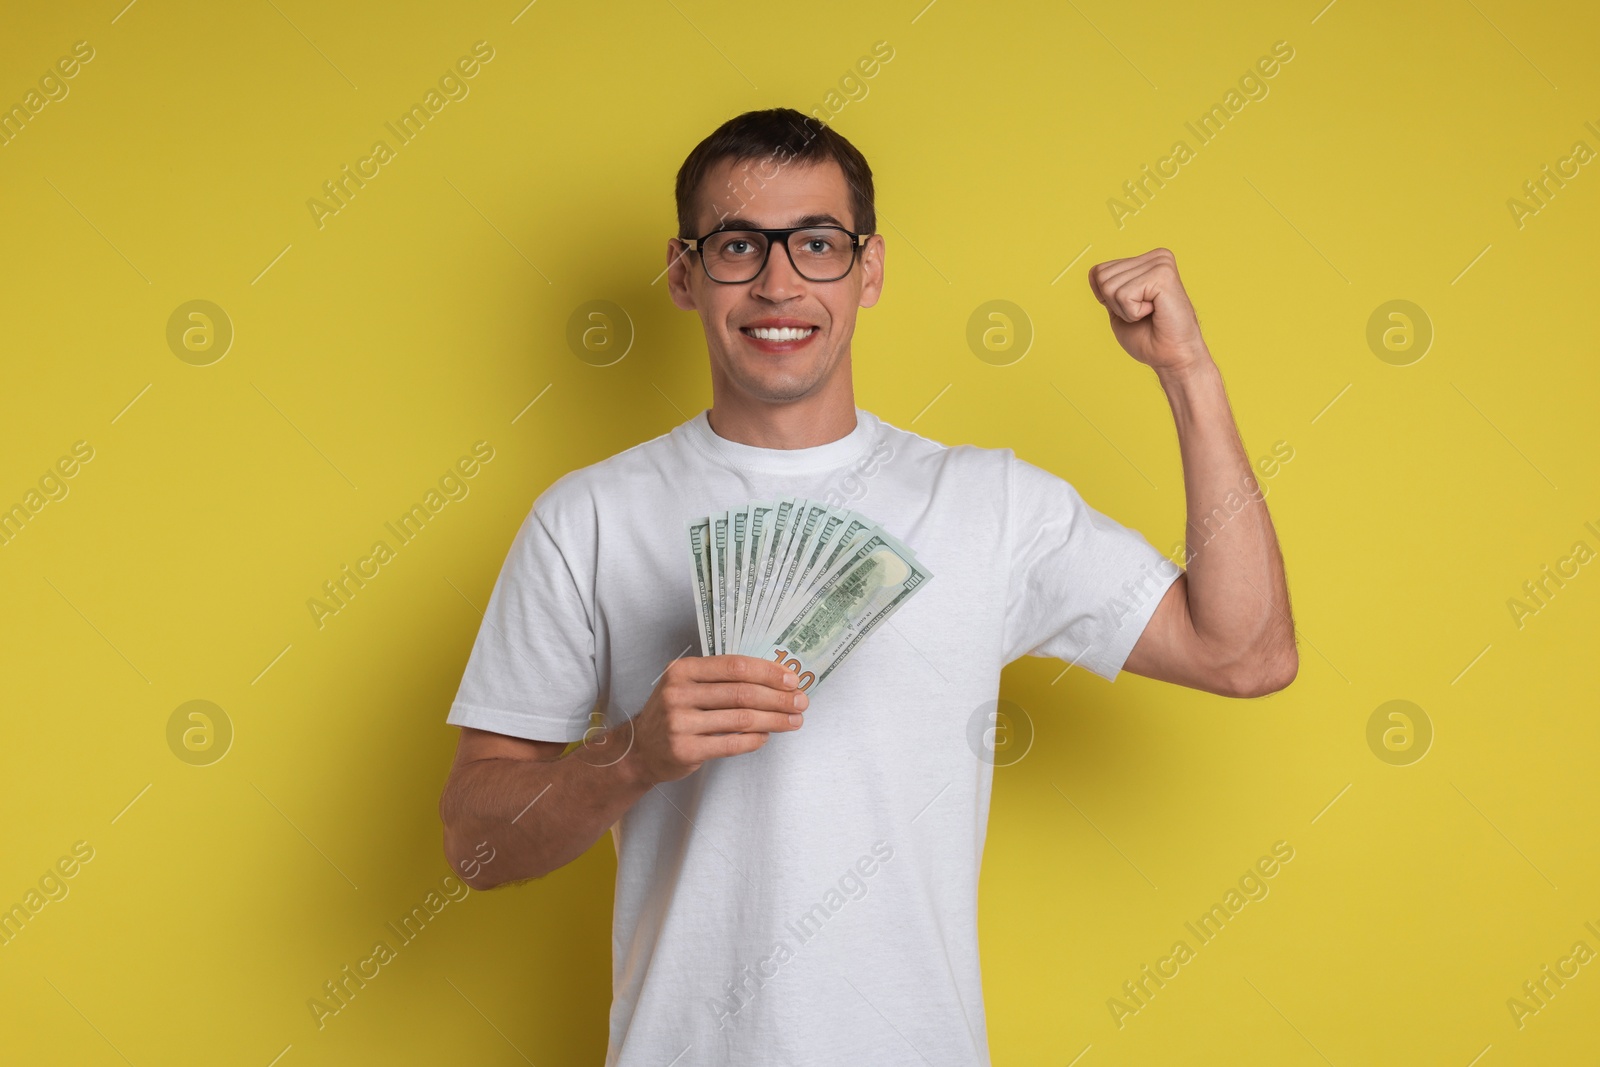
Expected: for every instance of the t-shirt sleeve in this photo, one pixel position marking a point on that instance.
(1082, 586)
(532, 669)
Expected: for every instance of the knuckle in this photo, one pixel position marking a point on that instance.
(744, 719)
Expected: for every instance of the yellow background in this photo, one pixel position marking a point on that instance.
(370, 353)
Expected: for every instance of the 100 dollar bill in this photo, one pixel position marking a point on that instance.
(863, 586)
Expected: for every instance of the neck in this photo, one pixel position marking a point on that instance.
(816, 419)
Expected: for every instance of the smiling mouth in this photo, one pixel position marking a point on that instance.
(778, 334)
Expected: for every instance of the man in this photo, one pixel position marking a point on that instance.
(797, 878)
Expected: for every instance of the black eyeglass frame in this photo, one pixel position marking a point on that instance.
(777, 237)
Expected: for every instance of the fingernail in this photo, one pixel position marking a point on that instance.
(795, 720)
(790, 678)
(801, 700)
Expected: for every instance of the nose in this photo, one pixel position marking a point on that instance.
(778, 280)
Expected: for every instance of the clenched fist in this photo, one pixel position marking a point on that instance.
(1150, 313)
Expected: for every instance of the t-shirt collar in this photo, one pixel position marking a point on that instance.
(827, 456)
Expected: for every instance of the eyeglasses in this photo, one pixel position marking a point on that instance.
(817, 253)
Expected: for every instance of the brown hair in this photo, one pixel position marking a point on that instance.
(777, 135)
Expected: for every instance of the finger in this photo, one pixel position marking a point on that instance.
(714, 695)
(736, 668)
(722, 746)
(1144, 259)
(1111, 274)
(1096, 273)
(733, 745)
(1104, 276)
(744, 721)
(1132, 296)
(1158, 273)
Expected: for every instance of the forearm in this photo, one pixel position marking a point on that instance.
(535, 816)
(1237, 594)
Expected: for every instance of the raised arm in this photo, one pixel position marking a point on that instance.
(1225, 625)
(515, 809)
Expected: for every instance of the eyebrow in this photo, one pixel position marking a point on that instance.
(737, 222)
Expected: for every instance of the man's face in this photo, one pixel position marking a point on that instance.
(776, 371)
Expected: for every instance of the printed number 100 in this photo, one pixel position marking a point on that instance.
(794, 665)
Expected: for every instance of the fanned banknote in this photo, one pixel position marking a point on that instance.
(796, 581)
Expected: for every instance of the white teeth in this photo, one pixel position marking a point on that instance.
(785, 333)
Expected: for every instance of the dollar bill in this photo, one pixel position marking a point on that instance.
(758, 515)
(700, 546)
(719, 568)
(863, 589)
(767, 558)
(738, 528)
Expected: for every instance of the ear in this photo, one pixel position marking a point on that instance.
(872, 270)
(679, 263)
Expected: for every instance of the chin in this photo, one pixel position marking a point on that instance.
(779, 392)
(777, 388)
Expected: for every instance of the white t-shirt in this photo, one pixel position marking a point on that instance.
(814, 901)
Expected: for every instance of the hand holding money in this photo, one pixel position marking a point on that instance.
(796, 582)
(704, 709)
